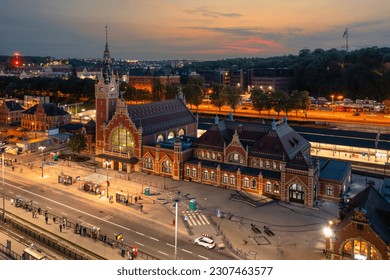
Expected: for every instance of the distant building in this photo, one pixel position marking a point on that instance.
(362, 231)
(271, 78)
(45, 116)
(146, 82)
(10, 111)
(31, 100)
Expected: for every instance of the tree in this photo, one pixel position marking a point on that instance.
(233, 96)
(157, 90)
(259, 99)
(77, 143)
(280, 101)
(218, 99)
(193, 90)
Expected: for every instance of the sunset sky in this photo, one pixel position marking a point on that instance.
(189, 29)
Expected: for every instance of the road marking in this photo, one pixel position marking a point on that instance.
(163, 253)
(155, 239)
(78, 210)
(35, 202)
(140, 233)
(49, 208)
(139, 243)
(202, 257)
(189, 252)
(64, 214)
(170, 245)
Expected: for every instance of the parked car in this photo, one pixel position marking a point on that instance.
(356, 114)
(205, 242)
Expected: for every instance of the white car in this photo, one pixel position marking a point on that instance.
(205, 242)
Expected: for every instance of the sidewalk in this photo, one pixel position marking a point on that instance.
(297, 229)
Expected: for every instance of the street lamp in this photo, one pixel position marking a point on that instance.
(107, 163)
(332, 102)
(42, 148)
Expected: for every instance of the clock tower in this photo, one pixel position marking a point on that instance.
(106, 96)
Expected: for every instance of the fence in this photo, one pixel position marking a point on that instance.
(9, 253)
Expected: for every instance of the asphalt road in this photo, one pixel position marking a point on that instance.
(149, 237)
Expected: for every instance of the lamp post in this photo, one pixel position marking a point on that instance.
(108, 163)
(2, 170)
(176, 205)
(42, 148)
(332, 102)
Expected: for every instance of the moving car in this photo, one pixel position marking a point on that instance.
(205, 242)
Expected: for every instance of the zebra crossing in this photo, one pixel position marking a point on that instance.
(195, 218)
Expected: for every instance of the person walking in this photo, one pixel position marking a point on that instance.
(46, 219)
(60, 227)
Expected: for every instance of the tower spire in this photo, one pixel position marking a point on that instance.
(106, 62)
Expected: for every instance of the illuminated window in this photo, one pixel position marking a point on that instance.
(205, 175)
(268, 186)
(160, 138)
(122, 141)
(360, 250)
(276, 188)
(225, 178)
(212, 176)
(193, 172)
(182, 132)
(187, 171)
(232, 180)
(246, 182)
(329, 190)
(166, 166)
(148, 163)
(171, 135)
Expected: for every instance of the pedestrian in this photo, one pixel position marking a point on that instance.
(141, 207)
(46, 219)
(135, 199)
(54, 219)
(39, 210)
(63, 222)
(60, 228)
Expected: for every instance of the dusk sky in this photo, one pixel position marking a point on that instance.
(189, 29)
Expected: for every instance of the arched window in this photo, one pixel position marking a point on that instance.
(166, 166)
(181, 132)
(246, 182)
(360, 250)
(235, 158)
(148, 163)
(254, 162)
(193, 172)
(207, 154)
(274, 165)
(261, 163)
(276, 188)
(122, 141)
(268, 186)
(212, 176)
(218, 156)
(187, 171)
(205, 175)
(160, 138)
(213, 156)
(225, 178)
(171, 135)
(253, 184)
(267, 164)
(232, 180)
